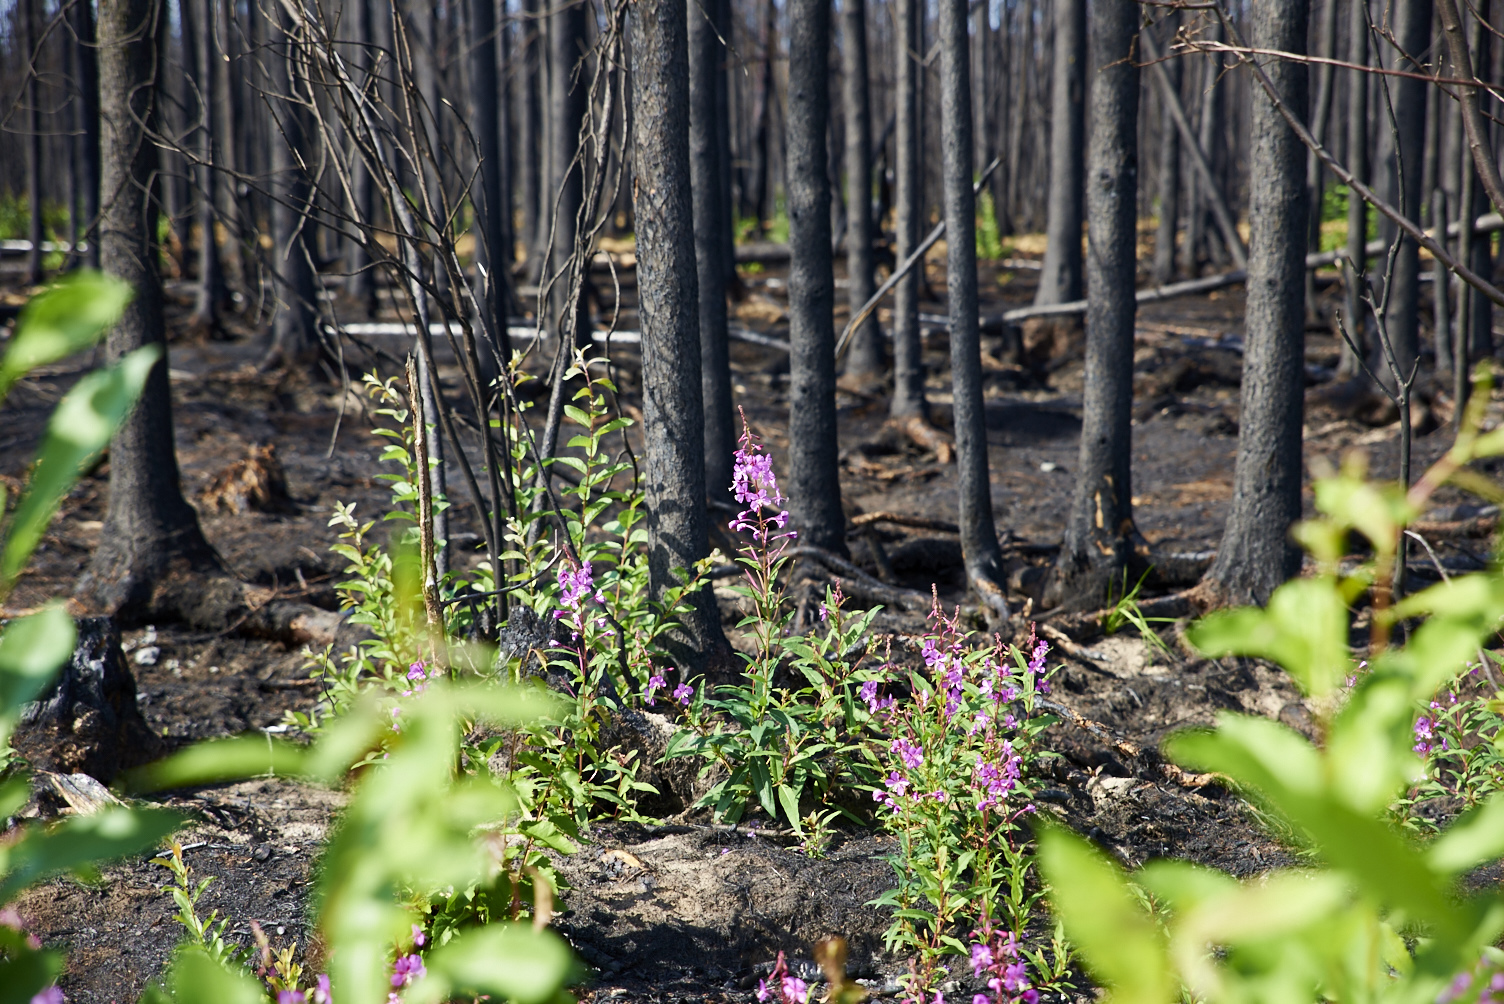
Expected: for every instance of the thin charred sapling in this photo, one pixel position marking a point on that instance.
(1256, 553)
(360, 284)
(81, 20)
(814, 486)
(712, 225)
(908, 344)
(1099, 533)
(864, 361)
(979, 543)
(150, 531)
(666, 278)
(1060, 281)
(31, 138)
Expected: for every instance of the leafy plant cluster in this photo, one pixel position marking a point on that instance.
(412, 821)
(1377, 913)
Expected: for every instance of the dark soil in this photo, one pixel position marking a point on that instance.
(690, 912)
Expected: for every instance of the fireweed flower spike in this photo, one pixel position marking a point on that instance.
(684, 693)
(407, 969)
(656, 682)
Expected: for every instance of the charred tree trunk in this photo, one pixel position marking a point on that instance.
(1169, 176)
(908, 343)
(150, 531)
(81, 17)
(979, 544)
(568, 97)
(1402, 314)
(1355, 266)
(864, 363)
(673, 412)
(1321, 109)
(360, 285)
(712, 225)
(1060, 281)
(530, 100)
(762, 140)
(486, 192)
(294, 338)
(1099, 534)
(211, 277)
(1256, 553)
(31, 126)
(814, 488)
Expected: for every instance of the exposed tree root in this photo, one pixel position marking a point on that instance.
(1128, 749)
(926, 435)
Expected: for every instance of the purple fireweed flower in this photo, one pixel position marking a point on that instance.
(50, 995)
(418, 936)
(1015, 976)
(415, 671)
(868, 693)
(981, 958)
(656, 682)
(824, 613)
(897, 784)
(289, 997)
(406, 969)
(321, 994)
(1036, 666)
(911, 755)
(795, 990)
(684, 693)
(932, 653)
(980, 999)
(575, 585)
(1424, 735)
(762, 990)
(939, 998)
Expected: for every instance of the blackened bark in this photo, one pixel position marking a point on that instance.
(1060, 280)
(530, 182)
(814, 488)
(31, 127)
(979, 543)
(864, 362)
(360, 285)
(712, 225)
(81, 17)
(1474, 335)
(1256, 553)
(149, 531)
(1169, 175)
(294, 338)
(908, 343)
(567, 98)
(211, 276)
(1402, 315)
(1355, 320)
(486, 192)
(1321, 109)
(1099, 532)
(666, 276)
(762, 115)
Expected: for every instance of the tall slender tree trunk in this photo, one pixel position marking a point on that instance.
(568, 97)
(666, 274)
(81, 16)
(864, 361)
(1355, 264)
(814, 487)
(1475, 338)
(150, 531)
(1321, 108)
(1256, 553)
(360, 285)
(1412, 30)
(1169, 175)
(31, 126)
(294, 339)
(1099, 532)
(711, 226)
(979, 543)
(486, 192)
(1201, 238)
(1060, 280)
(762, 141)
(908, 343)
(211, 276)
(529, 34)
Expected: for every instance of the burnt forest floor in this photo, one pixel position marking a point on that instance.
(687, 913)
